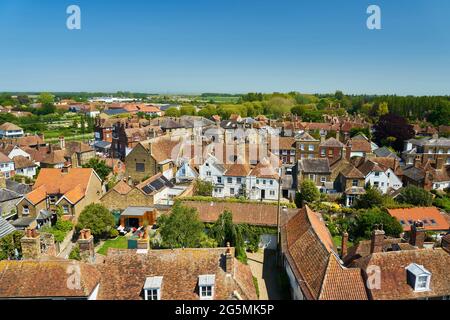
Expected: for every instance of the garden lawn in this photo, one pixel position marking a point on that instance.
(119, 243)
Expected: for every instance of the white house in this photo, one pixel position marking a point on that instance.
(6, 166)
(258, 184)
(212, 170)
(186, 172)
(380, 176)
(12, 151)
(24, 166)
(10, 130)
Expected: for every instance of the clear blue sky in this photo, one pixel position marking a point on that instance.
(192, 46)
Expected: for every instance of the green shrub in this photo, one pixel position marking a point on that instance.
(75, 254)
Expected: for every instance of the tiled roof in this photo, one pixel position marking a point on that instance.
(314, 165)
(21, 162)
(58, 182)
(265, 170)
(431, 217)
(53, 157)
(125, 271)
(360, 145)
(75, 195)
(393, 278)
(46, 279)
(7, 195)
(7, 126)
(37, 195)
(332, 143)
(77, 147)
(351, 172)
(238, 170)
(4, 158)
(257, 214)
(122, 188)
(283, 143)
(163, 148)
(309, 249)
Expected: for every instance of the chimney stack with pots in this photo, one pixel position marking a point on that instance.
(31, 244)
(377, 242)
(229, 260)
(417, 236)
(344, 247)
(86, 245)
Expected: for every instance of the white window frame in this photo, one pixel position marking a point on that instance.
(204, 290)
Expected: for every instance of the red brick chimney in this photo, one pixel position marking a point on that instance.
(377, 241)
(86, 245)
(417, 236)
(229, 260)
(344, 246)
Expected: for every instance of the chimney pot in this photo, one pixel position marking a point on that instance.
(344, 247)
(418, 235)
(377, 241)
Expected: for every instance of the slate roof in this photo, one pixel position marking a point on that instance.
(124, 274)
(314, 165)
(17, 187)
(385, 152)
(7, 195)
(5, 228)
(136, 211)
(309, 249)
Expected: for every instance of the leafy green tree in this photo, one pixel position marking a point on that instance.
(203, 188)
(188, 111)
(9, 244)
(415, 196)
(224, 231)
(309, 192)
(182, 228)
(172, 112)
(366, 221)
(99, 167)
(372, 198)
(298, 110)
(99, 220)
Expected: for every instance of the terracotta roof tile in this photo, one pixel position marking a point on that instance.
(45, 279)
(309, 249)
(124, 273)
(426, 215)
(21, 162)
(393, 265)
(257, 214)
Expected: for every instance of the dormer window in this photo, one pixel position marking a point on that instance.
(152, 288)
(206, 285)
(418, 277)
